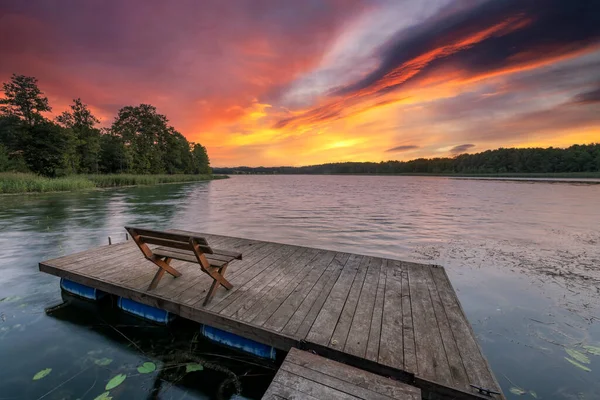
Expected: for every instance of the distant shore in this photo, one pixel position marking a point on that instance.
(17, 183)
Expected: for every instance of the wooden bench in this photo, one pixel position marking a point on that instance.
(176, 246)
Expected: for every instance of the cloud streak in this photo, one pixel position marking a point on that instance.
(398, 149)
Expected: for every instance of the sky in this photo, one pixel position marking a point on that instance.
(287, 82)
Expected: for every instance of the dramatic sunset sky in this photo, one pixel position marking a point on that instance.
(297, 82)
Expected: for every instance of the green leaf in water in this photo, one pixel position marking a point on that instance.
(533, 394)
(103, 396)
(146, 368)
(595, 350)
(103, 361)
(575, 363)
(192, 367)
(579, 356)
(43, 373)
(116, 381)
(10, 299)
(518, 391)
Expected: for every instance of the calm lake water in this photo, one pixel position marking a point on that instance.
(524, 258)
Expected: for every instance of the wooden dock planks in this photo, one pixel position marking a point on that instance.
(308, 376)
(397, 315)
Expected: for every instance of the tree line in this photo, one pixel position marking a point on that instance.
(577, 158)
(139, 141)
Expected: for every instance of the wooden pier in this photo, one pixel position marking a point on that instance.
(308, 376)
(387, 317)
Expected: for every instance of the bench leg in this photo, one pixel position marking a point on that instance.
(216, 283)
(163, 267)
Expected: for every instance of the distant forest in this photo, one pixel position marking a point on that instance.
(577, 158)
(140, 141)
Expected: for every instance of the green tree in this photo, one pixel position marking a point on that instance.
(201, 163)
(144, 132)
(114, 156)
(49, 148)
(24, 99)
(83, 124)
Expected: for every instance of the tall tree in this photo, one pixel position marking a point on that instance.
(83, 124)
(201, 163)
(24, 99)
(144, 132)
(49, 149)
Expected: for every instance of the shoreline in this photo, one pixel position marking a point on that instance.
(93, 184)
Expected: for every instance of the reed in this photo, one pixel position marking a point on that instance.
(11, 182)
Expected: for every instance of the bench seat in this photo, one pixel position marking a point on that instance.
(217, 259)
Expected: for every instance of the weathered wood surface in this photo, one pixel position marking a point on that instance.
(308, 376)
(395, 314)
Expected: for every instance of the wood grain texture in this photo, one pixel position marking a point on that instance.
(306, 374)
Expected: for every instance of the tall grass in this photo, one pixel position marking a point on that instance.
(11, 182)
(114, 180)
(14, 182)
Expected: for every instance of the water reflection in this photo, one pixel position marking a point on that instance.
(523, 257)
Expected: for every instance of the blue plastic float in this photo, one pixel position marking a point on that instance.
(144, 311)
(238, 342)
(81, 290)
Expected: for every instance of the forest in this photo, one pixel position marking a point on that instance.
(139, 141)
(574, 159)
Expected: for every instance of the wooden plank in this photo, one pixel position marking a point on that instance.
(92, 258)
(277, 291)
(71, 260)
(352, 375)
(408, 331)
(342, 387)
(477, 368)
(255, 293)
(293, 303)
(277, 391)
(307, 313)
(322, 329)
(375, 331)
(342, 329)
(432, 362)
(457, 371)
(311, 388)
(358, 336)
(264, 268)
(235, 275)
(391, 350)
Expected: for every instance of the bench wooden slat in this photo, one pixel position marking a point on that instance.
(190, 257)
(173, 244)
(178, 237)
(217, 254)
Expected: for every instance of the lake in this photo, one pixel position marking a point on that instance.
(524, 258)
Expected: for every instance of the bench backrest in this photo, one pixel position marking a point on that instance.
(169, 239)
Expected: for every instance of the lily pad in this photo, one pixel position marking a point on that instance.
(518, 391)
(146, 368)
(10, 299)
(103, 361)
(575, 363)
(579, 356)
(193, 367)
(595, 350)
(116, 381)
(43, 373)
(104, 396)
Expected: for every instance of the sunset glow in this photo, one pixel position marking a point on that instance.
(297, 83)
